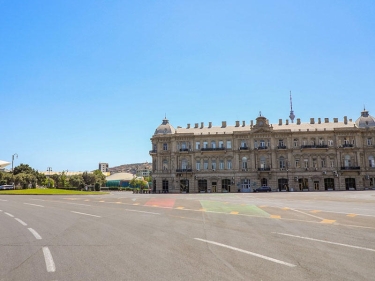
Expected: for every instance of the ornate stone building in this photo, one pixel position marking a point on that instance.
(315, 156)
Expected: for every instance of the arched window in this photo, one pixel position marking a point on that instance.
(371, 161)
(244, 163)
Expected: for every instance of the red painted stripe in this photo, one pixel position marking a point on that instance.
(161, 202)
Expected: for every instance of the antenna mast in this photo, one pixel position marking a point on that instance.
(291, 115)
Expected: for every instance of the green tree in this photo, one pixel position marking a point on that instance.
(76, 181)
(23, 168)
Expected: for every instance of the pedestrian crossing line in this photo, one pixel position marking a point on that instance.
(328, 221)
(275, 217)
(351, 215)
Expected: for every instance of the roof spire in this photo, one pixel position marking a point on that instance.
(291, 115)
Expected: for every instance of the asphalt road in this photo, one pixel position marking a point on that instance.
(125, 236)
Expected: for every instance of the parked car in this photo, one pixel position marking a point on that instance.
(6, 186)
(263, 189)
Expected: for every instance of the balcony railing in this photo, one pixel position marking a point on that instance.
(262, 147)
(347, 145)
(243, 148)
(314, 146)
(153, 151)
(184, 149)
(184, 170)
(264, 169)
(350, 168)
(281, 147)
(212, 148)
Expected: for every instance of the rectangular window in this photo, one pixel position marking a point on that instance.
(221, 164)
(297, 163)
(332, 163)
(321, 141)
(205, 144)
(165, 185)
(255, 144)
(262, 143)
(295, 142)
(306, 162)
(229, 164)
(205, 164)
(243, 143)
(229, 144)
(197, 145)
(198, 165)
(213, 144)
(221, 144)
(165, 146)
(213, 164)
(323, 163)
(183, 145)
(369, 141)
(330, 142)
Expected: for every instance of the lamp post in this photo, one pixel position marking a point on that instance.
(14, 155)
(49, 170)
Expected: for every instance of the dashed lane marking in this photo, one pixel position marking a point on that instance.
(351, 215)
(285, 208)
(315, 211)
(9, 214)
(328, 221)
(246, 252)
(86, 214)
(34, 205)
(307, 214)
(36, 234)
(50, 265)
(180, 208)
(327, 242)
(21, 221)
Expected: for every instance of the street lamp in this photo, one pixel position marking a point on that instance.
(14, 155)
(49, 170)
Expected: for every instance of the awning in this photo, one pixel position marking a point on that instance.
(3, 164)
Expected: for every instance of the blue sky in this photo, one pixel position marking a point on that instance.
(83, 82)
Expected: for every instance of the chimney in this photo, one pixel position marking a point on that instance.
(223, 124)
(209, 124)
(298, 121)
(345, 120)
(319, 121)
(312, 121)
(237, 123)
(335, 120)
(243, 124)
(188, 126)
(202, 125)
(196, 125)
(286, 122)
(280, 121)
(326, 120)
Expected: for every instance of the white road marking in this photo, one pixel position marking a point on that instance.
(247, 252)
(86, 214)
(34, 205)
(3, 200)
(142, 212)
(328, 242)
(75, 204)
(49, 260)
(308, 214)
(9, 214)
(21, 222)
(36, 235)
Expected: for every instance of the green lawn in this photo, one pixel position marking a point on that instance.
(51, 191)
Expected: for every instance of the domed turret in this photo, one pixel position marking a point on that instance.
(366, 120)
(165, 128)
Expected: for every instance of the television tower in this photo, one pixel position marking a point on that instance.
(291, 115)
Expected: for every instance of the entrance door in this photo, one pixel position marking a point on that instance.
(184, 186)
(283, 184)
(213, 186)
(245, 185)
(350, 184)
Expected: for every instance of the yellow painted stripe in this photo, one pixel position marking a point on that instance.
(102, 201)
(351, 215)
(285, 208)
(328, 221)
(136, 204)
(180, 208)
(263, 206)
(315, 211)
(234, 213)
(118, 202)
(87, 200)
(275, 217)
(202, 210)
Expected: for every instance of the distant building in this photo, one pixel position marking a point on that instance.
(313, 156)
(143, 173)
(103, 167)
(119, 180)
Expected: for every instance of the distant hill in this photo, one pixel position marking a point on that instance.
(130, 168)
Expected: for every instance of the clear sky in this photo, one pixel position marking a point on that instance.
(83, 82)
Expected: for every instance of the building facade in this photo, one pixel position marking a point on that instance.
(103, 167)
(315, 156)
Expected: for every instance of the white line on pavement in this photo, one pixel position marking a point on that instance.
(49, 260)
(21, 222)
(328, 242)
(3, 200)
(75, 204)
(36, 235)
(247, 252)
(34, 205)
(308, 214)
(86, 214)
(9, 214)
(141, 212)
